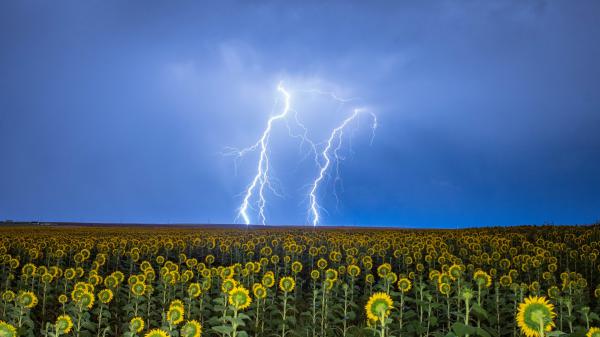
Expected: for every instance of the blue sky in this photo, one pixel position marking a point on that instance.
(120, 111)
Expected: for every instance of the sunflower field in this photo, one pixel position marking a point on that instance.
(298, 282)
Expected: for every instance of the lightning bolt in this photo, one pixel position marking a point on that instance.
(333, 142)
(262, 179)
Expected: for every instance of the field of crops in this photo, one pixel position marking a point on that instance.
(216, 281)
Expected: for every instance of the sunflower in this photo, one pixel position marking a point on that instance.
(259, 291)
(505, 280)
(287, 284)
(228, 285)
(136, 324)
(105, 296)
(331, 274)
(176, 303)
(455, 272)
(63, 324)
(482, 279)
(378, 307)
(62, 299)
(86, 299)
(353, 270)
(27, 299)
(191, 328)
(175, 315)
(384, 269)
(239, 298)
(138, 288)
(156, 333)
(593, 332)
(8, 296)
(194, 290)
(268, 279)
(445, 289)
(296, 267)
(404, 285)
(534, 314)
(322, 263)
(315, 274)
(7, 330)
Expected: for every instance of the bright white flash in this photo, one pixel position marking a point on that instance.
(262, 179)
(329, 154)
(254, 194)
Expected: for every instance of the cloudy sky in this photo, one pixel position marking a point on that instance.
(124, 111)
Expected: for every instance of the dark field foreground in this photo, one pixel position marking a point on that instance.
(75, 280)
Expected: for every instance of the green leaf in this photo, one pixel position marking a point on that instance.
(224, 329)
(479, 311)
(461, 329)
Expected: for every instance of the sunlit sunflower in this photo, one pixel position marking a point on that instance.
(593, 332)
(7, 330)
(136, 324)
(191, 328)
(27, 299)
(175, 315)
(239, 298)
(259, 291)
(86, 300)
(63, 324)
(156, 333)
(138, 288)
(194, 290)
(378, 307)
(287, 284)
(535, 314)
(228, 285)
(105, 296)
(404, 285)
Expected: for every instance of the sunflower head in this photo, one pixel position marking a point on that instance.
(378, 307)
(239, 298)
(384, 269)
(63, 324)
(482, 279)
(86, 300)
(228, 285)
(191, 328)
(194, 290)
(175, 315)
(156, 333)
(7, 330)
(315, 274)
(27, 299)
(404, 285)
(268, 279)
(593, 332)
(287, 284)
(105, 296)
(136, 324)
(296, 267)
(534, 314)
(455, 272)
(445, 288)
(259, 291)
(353, 270)
(331, 274)
(8, 296)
